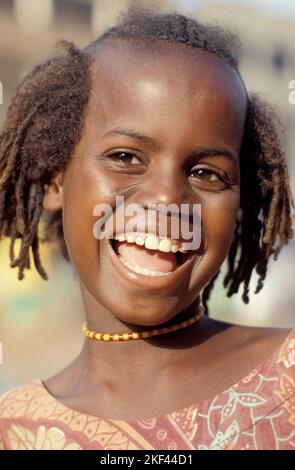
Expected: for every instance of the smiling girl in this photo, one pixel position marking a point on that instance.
(155, 110)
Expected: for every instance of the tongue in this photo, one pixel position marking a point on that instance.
(153, 260)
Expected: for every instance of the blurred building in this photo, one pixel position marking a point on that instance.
(33, 313)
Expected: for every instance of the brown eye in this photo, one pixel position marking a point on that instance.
(207, 178)
(125, 159)
(206, 175)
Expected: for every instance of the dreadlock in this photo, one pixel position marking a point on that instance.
(43, 124)
(45, 121)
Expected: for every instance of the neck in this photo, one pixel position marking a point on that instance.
(111, 359)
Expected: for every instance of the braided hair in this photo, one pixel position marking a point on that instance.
(45, 121)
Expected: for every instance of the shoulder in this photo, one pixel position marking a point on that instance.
(259, 406)
(30, 419)
(244, 348)
(270, 353)
(15, 406)
(263, 343)
(243, 336)
(266, 337)
(16, 403)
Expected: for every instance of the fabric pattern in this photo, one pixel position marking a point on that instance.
(258, 413)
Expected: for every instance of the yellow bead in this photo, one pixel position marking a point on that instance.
(144, 334)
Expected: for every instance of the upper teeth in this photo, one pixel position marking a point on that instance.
(153, 242)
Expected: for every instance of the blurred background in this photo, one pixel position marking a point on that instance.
(34, 314)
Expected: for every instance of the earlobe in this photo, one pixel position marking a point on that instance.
(53, 192)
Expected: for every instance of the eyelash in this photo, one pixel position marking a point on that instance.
(114, 156)
(222, 179)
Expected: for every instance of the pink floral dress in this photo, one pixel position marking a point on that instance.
(258, 412)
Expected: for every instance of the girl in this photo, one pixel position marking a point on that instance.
(154, 111)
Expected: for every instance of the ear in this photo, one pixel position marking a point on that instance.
(52, 200)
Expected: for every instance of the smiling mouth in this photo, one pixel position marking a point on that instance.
(150, 256)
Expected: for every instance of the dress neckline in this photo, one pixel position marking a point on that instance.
(272, 358)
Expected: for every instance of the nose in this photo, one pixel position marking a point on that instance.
(166, 186)
(166, 192)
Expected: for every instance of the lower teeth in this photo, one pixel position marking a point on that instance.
(140, 270)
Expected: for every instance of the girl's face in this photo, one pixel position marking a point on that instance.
(188, 108)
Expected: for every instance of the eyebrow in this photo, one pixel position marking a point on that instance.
(135, 135)
(201, 151)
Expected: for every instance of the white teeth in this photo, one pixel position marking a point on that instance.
(139, 270)
(130, 239)
(165, 245)
(151, 243)
(139, 240)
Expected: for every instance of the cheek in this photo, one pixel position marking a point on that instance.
(219, 215)
(81, 193)
(219, 212)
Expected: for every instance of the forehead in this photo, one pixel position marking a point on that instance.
(172, 85)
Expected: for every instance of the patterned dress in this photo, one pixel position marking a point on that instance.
(258, 412)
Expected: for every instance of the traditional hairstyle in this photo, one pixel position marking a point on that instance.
(45, 121)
